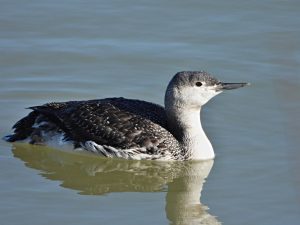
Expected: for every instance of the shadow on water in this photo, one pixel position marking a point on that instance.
(90, 175)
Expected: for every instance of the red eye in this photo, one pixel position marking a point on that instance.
(198, 84)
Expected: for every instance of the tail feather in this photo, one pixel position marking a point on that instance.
(9, 138)
(23, 128)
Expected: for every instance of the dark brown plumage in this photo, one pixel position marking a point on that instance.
(116, 122)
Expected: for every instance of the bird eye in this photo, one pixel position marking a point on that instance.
(198, 84)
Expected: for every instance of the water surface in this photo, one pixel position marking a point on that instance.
(59, 51)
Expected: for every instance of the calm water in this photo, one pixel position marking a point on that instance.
(66, 50)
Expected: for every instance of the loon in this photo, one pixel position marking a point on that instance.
(129, 128)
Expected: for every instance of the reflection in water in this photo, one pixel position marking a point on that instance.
(92, 175)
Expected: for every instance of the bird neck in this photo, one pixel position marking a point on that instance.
(185, 124)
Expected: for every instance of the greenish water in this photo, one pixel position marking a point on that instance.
(67, 50)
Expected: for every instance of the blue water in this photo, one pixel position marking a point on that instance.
(59, 51)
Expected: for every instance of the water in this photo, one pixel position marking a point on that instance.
(58, 51)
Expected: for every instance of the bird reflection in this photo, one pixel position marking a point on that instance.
(90, 175)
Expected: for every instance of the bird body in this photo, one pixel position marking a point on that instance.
(128, 128)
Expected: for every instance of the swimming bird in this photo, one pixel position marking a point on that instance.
(129, 128)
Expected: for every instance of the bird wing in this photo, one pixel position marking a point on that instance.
(108, 122)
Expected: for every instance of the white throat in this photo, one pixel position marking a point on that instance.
(187, 128)
(183, 106)
(194, 137)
